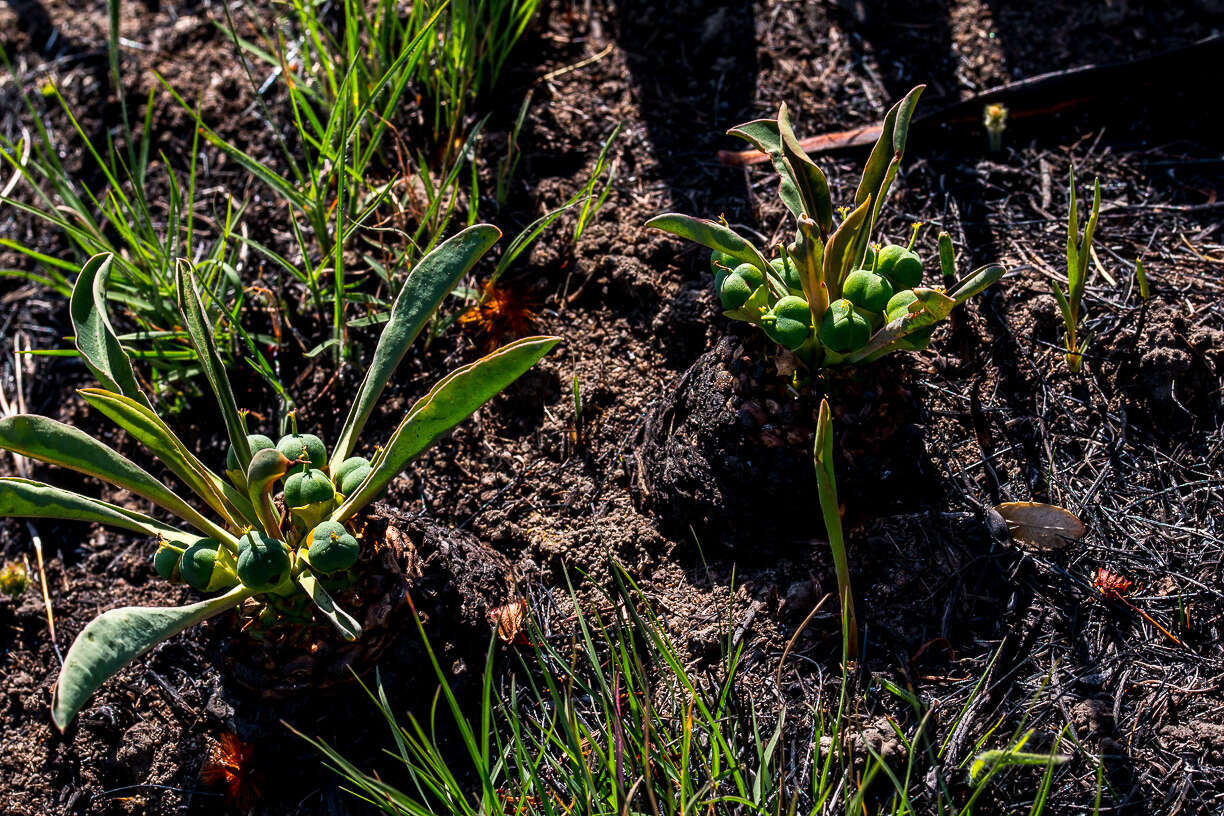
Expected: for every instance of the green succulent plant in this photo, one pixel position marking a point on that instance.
(236, 540)
(830, 266)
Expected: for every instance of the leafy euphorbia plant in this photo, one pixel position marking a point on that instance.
(830, 297)
(237, 539)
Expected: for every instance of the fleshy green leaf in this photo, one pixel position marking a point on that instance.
(348, 626)
(764, 135)
(115, 638)
(931, 307)
(885, 159)
(431, 280)
(452, 400)
(156, 435)
(201, 335)
(46, 440)
(25, 498)
(976, 281)
(95, 339)
(813, 188)
(717, 236)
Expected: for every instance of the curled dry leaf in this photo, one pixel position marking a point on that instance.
(509, 620)
(1037, 526)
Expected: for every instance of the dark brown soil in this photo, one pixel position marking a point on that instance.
(690, 462)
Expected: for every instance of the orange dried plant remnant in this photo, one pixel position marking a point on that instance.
(1111, 584)
(229, 768)
(502, 312)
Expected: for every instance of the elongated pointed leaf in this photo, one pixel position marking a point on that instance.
(46, 440)
(931, 307)
(451, 401)
(808, 258)
(839, 257)
(346, 623)
(201, 335)
(26, 498)
(884, 161)
(95, 339)
(813, 187)
(763, 134)
(716, 236)
(115, 638)
(431, 280)
(977, 281)
(156, 435)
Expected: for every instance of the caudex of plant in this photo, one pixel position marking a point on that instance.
(248, 548)
(830, 297)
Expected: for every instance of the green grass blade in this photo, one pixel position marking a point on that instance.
(430, 281)
(115, 638)
(450, 402)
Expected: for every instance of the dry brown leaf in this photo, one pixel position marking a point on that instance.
(1038, 526)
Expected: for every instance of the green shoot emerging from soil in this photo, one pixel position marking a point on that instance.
(830, 297)
(1079, 253)
(831, 511)
(249, 547)
(609, 717)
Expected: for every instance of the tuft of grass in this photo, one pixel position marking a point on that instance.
(607, 717)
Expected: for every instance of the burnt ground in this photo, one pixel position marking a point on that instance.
(705, 491)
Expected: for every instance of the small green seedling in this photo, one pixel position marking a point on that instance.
(243, 544)
(14, 579)
(831, 510)
(1079, 251)
(852, 291)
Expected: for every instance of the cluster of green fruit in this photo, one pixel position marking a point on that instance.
(262, 562)
(878, 293)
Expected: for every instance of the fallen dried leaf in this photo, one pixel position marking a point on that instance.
(1037, 526)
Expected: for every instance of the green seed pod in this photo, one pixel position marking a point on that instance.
(351, 473)
(901, 266)
(332, 548)
(898, 304)
(263, 562)
(309, 496)
(867, 290)
(789, 322)
(205, 566)
(297, 447)
(166, 562)
(738, 285)
(843, 329)
(257, 443)
(789, 273)
(720, 261)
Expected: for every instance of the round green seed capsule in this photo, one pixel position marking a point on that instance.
(720, 261)
(166, 562)
(901, 266)
(300, 447)
(351, 473)
(867, 290)
(789, 322)
(201, 569)
(309, 496)
(263, 562)
(898, 304)
(332, 548)
(843, 329)
(257, 442)
(739, 284)
(789, 273)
